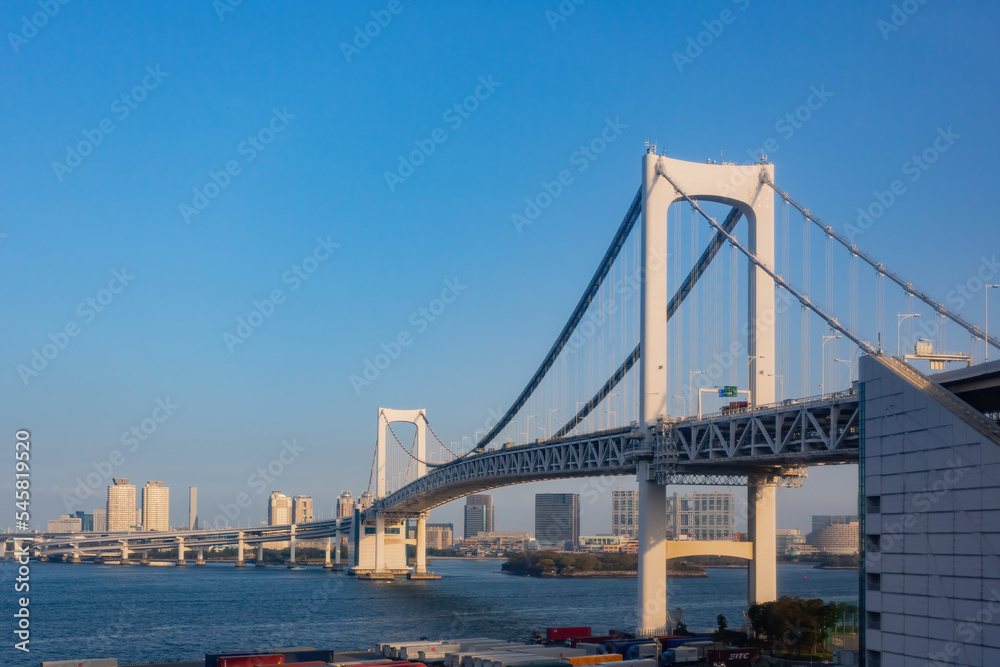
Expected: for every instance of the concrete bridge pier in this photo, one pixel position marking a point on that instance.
(180, 552)
(291, 544)
(200, 560)
(762, 570)
(124, 555)
(420, 571)
(652, 617)
(327, 564)
(239, 550)
(144, 560)
(260, 555)
(74, 558)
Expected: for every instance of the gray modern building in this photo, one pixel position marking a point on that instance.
(479, 515)
(557, 519)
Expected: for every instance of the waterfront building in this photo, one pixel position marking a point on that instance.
(440, 535)
(86, 521)
(625, 513)
(345, 504)
(836, 539)
(121, 506)
(479, 515)
(302, 509)
(192, 508)
(786, 538)
(65, 524)
(155, 506)
(600, 544)
(704, 515)
(100, 520)
(557, 519)
(279, 509)
(821, 521)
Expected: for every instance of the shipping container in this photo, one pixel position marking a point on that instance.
(250, 660)
(735, 657)
(560, 634)
(576, 661)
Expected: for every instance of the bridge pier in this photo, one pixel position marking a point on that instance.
(180, 552)
(260, 555)
(652, 618)
(239, 550)
(420, 571)
(124, 560)
(327, 563)
(761, 516)
(144, 559)
(200, 560)
(74, 558)
(291, 550)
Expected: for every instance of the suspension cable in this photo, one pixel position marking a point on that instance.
(581, 307)
(752, 258)
(908, 287)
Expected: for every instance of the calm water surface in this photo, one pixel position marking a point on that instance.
(140, 614)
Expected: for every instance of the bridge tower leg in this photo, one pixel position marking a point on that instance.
(327, 565)
(260, 555)
(240, 562)
(652, 619)
(762, 570)
(180, 552)
(422, 544)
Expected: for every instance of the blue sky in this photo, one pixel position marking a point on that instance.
(333, 125)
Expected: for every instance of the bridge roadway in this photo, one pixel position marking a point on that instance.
(774, 441)
(51, 544)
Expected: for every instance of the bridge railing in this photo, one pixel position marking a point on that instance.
(770, 407)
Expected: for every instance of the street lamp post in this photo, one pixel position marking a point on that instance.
(822, 354)
(850, 369)
(551, 410)
(691, 375)
(527, 427)
(684, 406)
(986, 333)
(781, 385)
(899, 320)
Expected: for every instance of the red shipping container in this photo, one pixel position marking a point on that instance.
(305, 664)
(560, 634)
(735, 657)
(251, 660)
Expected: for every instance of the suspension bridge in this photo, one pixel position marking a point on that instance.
(684, 311)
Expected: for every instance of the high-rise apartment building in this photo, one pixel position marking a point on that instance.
(704, 515)
(365, 501)
(155, 506)
(439, 535)
(121, 505)
(302, 509)
(478, 515)
(279, 509)
(821, 521)
(557, 519)
(192, 508)
(625, 513)
(345, 504)
(101, 520)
